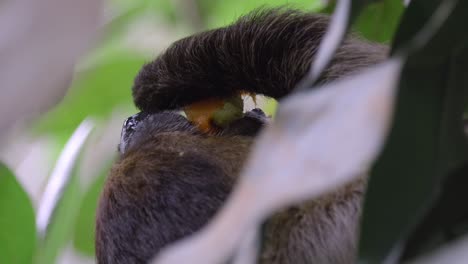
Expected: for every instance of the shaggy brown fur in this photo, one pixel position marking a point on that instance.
(171, 179)
(266, 52)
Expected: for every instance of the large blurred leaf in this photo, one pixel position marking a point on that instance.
(17, 222)
(446, 221)
(426, 142)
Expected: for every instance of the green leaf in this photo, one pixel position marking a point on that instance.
(17, 221)
(379, 21)
(427, 142)
(415, 17)
(446, 221)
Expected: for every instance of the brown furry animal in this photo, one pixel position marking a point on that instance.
(171, 178)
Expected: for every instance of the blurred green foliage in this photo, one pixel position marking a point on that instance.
(17, 225)
(220, 13)
(96, 92)
(379, 21)
(422, 161)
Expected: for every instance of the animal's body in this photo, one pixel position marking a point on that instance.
(171, 178)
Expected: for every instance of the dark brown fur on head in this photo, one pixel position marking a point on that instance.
(266, 52)
(171, 179)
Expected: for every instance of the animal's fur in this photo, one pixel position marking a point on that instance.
(266, 52)
(171, 179)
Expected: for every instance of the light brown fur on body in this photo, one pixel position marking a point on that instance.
(171, 179)
(323, 230)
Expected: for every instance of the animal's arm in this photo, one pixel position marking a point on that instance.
(266, 52)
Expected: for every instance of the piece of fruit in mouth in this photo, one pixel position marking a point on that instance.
(208, 113)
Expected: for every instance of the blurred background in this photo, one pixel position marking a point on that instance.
(129, 34)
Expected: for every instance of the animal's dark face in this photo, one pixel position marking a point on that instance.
(142, 126)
